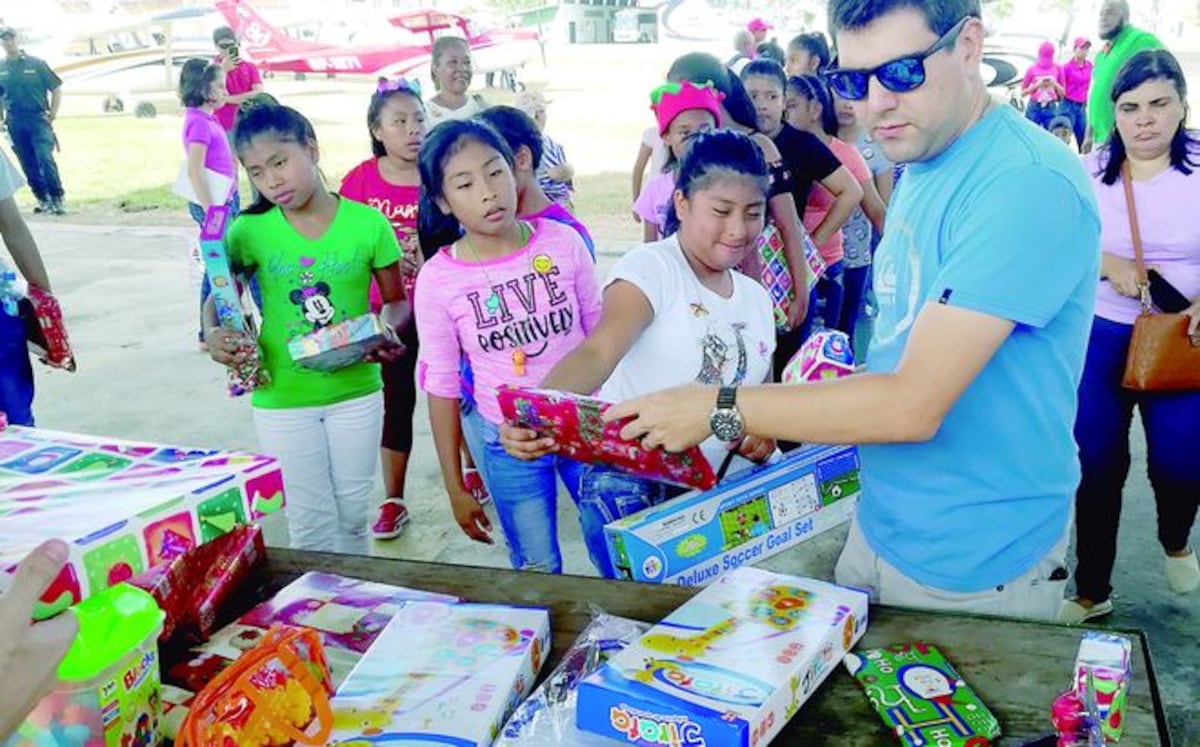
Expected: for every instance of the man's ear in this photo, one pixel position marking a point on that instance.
(969, 45)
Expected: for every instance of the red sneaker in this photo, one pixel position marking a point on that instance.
(474, 483)
(392, 518)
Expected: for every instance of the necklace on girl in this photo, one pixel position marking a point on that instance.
(493, 302)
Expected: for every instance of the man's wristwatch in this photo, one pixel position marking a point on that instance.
(726, 419)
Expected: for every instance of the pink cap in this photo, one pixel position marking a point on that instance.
(685, 97)
(758, 24)
(1082, 41)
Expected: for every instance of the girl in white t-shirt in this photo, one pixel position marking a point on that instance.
(675, 312)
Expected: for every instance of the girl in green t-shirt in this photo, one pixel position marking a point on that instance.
(314, 256)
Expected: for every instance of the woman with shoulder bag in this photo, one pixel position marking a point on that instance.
(1146, 181)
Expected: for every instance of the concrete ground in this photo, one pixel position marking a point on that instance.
(131, 310)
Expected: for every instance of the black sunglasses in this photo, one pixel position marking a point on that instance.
(900, 75)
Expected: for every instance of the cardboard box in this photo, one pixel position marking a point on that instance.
(124, 507)
(443, 673)
(730, 667)
(347, 613)
(342, 344)
(693, 539)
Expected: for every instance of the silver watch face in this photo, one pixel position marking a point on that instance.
(726, 424)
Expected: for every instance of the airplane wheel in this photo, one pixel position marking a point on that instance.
(145, 110)
(301, 76)
(113, 105)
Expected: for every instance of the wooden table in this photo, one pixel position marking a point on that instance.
(1016, 667)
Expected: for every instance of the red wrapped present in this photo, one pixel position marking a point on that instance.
(578, 428)
(194, 588)
(45, 329)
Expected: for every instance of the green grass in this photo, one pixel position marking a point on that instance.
(119, 169)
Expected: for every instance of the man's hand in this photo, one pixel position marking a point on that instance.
(30, 652)
(673, 419)
(471, 517)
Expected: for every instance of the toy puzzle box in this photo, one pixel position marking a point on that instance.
(442, 674)
(730, 667)
(693, 539)
(124, 507)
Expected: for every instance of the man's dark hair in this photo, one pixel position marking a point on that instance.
(223, 33)
(941, 14)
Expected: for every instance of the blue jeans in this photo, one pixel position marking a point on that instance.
(16, 371)
(1041, 114)
(472, 430)
(826, 298)
(33, 142)
(1102, 431)
(526, 496)
(854, 283)
(605, 495)
(1077, 111)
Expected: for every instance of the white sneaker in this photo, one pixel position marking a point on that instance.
(1074, 613)
(1183, 574)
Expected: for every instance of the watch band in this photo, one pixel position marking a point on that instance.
(726, 398)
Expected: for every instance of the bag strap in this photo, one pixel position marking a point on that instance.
(1139, 256)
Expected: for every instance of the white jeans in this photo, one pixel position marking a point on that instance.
(330, 458)
(1035, 595)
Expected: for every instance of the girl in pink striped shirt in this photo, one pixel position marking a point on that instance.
(513, 296)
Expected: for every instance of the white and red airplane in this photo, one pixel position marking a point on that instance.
(492, 50)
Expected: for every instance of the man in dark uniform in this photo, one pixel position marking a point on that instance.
(31, 94)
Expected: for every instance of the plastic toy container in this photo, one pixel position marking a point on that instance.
(109, 689)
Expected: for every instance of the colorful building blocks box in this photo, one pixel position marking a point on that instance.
(442, 674)
(124, 507)
(693, 539)
(730, 667)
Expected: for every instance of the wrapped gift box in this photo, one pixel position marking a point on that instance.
(123, 506)
(196, 587)
(442, 673)
(920, 697)
(342, 344)
(693, 539)
(730, 667)
(347, 613)
(1103, 670)
(577, 425)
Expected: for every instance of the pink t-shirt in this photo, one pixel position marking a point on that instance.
(203, 128)
(654, 201)
(820, 199)
(541, 301)
(398, 203)
(1078, 79)
(1044, 95)
(241, 79)
(1170, 226)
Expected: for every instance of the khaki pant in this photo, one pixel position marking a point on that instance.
(1035, 595)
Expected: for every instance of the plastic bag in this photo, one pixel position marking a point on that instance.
(275, 694)
(547, 717)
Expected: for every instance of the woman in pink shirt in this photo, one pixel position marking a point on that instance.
(1045, 86)
(1077, 77)
(1162, 157)
(514, 297)
(390, 182)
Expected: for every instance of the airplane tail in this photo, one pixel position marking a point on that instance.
(257, 36)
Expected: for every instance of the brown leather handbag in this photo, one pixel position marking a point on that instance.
(1162, 357)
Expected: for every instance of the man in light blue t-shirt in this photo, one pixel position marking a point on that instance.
(985, 279)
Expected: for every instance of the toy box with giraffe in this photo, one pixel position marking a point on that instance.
(442, 674)
(729, 667)
(123, 506)
(695, 538)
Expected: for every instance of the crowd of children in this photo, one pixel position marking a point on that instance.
(462, 213)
